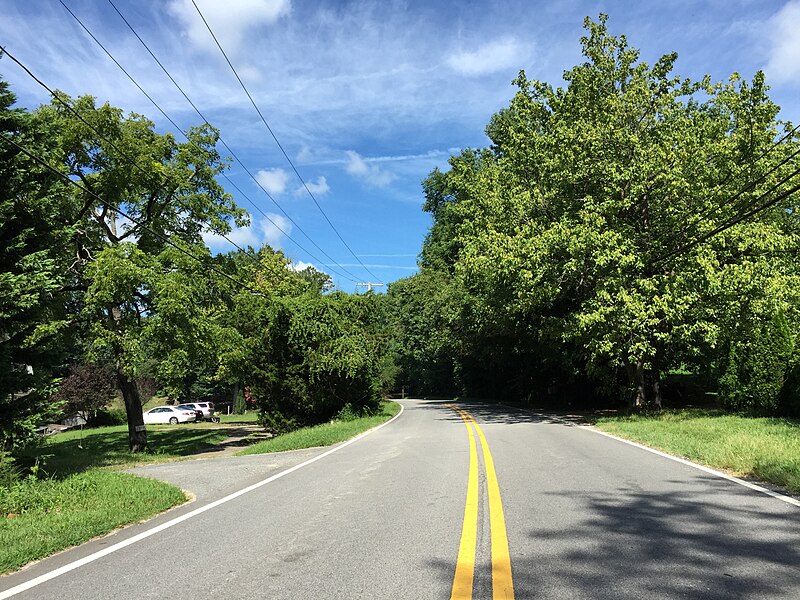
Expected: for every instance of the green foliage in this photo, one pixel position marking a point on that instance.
(239, 406)
(107, 416)
(35, 270)
(550, 255)
(307, 356)
(753, 371)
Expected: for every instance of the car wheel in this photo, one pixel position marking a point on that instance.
(173, 420)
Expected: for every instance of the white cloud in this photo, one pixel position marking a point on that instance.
(489, 58)
(300, 266)
(371, 174)
(784, 29)
(270, 231)
(319, 187)
(276, 229)
(229, 20)
(273, 180)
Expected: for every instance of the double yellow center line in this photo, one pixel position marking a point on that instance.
(502, 583)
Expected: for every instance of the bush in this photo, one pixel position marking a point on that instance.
(789, 400)
(755, 366)
(110, 416)
(347, 413)
(312, 357)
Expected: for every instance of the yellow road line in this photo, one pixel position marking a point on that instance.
(465, 564)
(502, 581)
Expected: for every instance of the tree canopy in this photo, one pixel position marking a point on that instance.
(580, 236)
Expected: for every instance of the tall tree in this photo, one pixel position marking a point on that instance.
(143, 192)
(36, 259)
(582, 227)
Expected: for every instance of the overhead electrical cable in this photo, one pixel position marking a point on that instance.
(125, 215)
(233, 154)
(129, 159)
(749, 187)
(351, 276)
(274, 137)
(751, 209)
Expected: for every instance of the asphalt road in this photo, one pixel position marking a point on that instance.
(389, 516)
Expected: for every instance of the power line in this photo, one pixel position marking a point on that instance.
(749, 186)
(122, 213)
(351, 278)
(274, 137)
(130, 160)
(738, 219)
(228, 148)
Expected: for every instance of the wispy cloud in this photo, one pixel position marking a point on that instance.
(229, 20)
(371, 174)
(489, 58)
(273, 180)
(784, 31)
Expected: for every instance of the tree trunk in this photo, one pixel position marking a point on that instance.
(657, 381)
(137, 440)
(641, 395)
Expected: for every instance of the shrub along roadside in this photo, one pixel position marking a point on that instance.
(326, 434)
(767, 449)
(40, 517)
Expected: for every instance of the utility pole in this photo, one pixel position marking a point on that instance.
(369, 285)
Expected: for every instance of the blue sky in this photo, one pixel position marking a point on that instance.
(366, 97)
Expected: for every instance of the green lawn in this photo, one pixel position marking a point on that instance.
(249, 418)
(763, 448)
(40, 517)
(77, 450)
(323, 435)
(78, 499)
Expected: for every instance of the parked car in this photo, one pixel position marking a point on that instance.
(207, 408)
(193, 408)
(169, 414)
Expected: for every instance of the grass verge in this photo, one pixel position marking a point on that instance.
(326, 434)
(40, 517)
(767, 449)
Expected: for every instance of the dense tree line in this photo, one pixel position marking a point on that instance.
(105, 281)
(598, 246)
(619, 230)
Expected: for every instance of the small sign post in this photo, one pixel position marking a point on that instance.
(140, 428)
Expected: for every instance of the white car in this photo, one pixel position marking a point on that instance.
(207, 408)
(168, 414)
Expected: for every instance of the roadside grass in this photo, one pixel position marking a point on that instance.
(247, 418)
(41, 516)
(72, 451)
(78, 498)
(767, 449)
(326, 434)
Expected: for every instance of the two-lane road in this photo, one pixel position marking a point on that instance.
(422, 508)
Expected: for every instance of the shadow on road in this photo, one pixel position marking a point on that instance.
(636, 544)
(490, 413)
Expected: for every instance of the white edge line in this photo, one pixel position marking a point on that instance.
(18, 589)
(683, 461)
